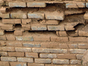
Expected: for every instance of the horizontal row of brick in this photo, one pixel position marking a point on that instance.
(29, 64)
(38, 15)
(55, 61)
(43, 50)
(43, 4)
(46, 38)
(46, 45)
(41, 55)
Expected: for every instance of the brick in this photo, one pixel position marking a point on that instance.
(54, 28)
(1, 32)
(86, 16)
(41, 38)
(23, 59)
(17, 4)
(2, 38)
(60, 61)
(6, 15)
(73, 46)
(10, 37)
(75, 5)
(36, 15)
(82, 45)
(48, 56)
(71, 5)
(7, 27)
(31, 55)
(77, 51)
(59, 39)
(75, 61)
(34, 64)
(59, 65)
(3, 10)
(54, 15)
(7, 49)
(14, 44)
(22, 49)
(31, 44)
(18, 64)
(38, 27)
(18, 15)
(76, 39)
(24, 38)
(67, 28)
(62, 33)
(4, 63)
(63, 46)
(18, 32)
(83, 33)
(26, 27)
(11, 21)
(3, 53)
(36, 4)
(66, 56)
(2, 43)
(16, 54)
(8, 59)
(49, 45)
(26, 21)
(52, 22)
(79, 56)
(46, 50)
(45, 61)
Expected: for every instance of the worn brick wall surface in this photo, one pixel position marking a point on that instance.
(43, 32)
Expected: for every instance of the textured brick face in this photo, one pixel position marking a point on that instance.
(43, 32)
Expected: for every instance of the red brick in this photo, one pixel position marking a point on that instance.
(77, 39)
(26, 27)
(16, 54)
(41, 38)
(59, 39)
(11, 21)
(4, 63)
(66, 56)
(10, 37)
(3, 10)
(18, 32)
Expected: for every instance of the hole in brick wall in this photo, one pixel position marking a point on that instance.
(25, 10)
(0, 18)
(79, 26)
(71, 32)
(9, 32)
(17, 26)
(42, 32)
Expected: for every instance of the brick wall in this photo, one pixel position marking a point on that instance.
(43, 32)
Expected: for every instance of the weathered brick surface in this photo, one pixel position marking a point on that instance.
(43, 32)
(23, 59)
